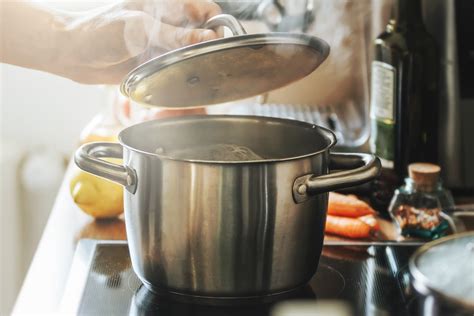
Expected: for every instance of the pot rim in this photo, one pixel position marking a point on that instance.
(423, 284)
(326, 133)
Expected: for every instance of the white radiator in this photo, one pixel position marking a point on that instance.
(29, 183)
(11, 267)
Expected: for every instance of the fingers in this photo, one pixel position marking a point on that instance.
(171, 37)
(169, 24)
(198, 12)
(191, 13)
(136, 32)
(141, 33)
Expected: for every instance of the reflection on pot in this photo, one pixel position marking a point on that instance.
(145, 302)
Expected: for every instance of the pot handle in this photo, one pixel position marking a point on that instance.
(225, 20)
(88, 156)
(362, 168)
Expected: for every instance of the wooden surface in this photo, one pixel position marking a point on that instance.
(45, 282)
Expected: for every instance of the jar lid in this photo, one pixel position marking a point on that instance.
(424, 174)
(445, 268)
(226, 69)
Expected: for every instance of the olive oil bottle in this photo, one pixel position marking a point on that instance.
(404, 97)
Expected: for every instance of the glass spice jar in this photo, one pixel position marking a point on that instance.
(417, 206)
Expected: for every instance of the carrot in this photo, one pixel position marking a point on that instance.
(348, 206)
(347, 227)
(370, 220)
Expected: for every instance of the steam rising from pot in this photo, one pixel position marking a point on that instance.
(152, 27)
(213, 152)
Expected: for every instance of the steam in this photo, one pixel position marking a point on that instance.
(157, 26)
(243, 9)
(142, 29)
(154, 27)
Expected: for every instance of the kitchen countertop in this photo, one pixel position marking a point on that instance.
(45, 282)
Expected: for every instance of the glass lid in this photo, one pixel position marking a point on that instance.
(224, 70)
(446, 267)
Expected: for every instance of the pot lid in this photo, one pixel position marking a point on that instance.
(226, 69)
(445, 268)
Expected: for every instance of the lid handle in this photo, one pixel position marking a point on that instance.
(225, 20)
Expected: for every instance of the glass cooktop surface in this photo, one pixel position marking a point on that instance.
(372, 279)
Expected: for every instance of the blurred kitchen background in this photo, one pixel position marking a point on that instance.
(40, 124)
(42, 115)
(41, 119)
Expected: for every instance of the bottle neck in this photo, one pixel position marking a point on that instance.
(412, 186)
(406, 14)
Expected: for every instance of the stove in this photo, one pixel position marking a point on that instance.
(371, 277)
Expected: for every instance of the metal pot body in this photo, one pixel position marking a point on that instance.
(221, 230)
(224, 229)
(447, 289)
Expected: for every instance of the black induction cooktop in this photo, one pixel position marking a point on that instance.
(372, 278)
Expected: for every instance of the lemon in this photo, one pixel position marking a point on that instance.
(96, 196)
(98, 138)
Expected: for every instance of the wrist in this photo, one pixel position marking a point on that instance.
(91, 41)
(63, 53)
(37, 37)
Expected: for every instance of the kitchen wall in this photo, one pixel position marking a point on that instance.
(41, 116)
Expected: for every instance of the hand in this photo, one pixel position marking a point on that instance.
(101, 45)
(105, 44)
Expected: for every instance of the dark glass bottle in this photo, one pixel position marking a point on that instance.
(405, 97)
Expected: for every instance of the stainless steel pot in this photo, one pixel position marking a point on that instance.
(442, 271)
(226, 228)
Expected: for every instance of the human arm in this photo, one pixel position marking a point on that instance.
(103, 44)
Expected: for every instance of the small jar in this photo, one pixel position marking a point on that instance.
(417, 206)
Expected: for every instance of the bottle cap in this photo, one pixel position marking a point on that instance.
(424, 175)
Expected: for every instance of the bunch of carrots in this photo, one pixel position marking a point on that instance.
(350, 217)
